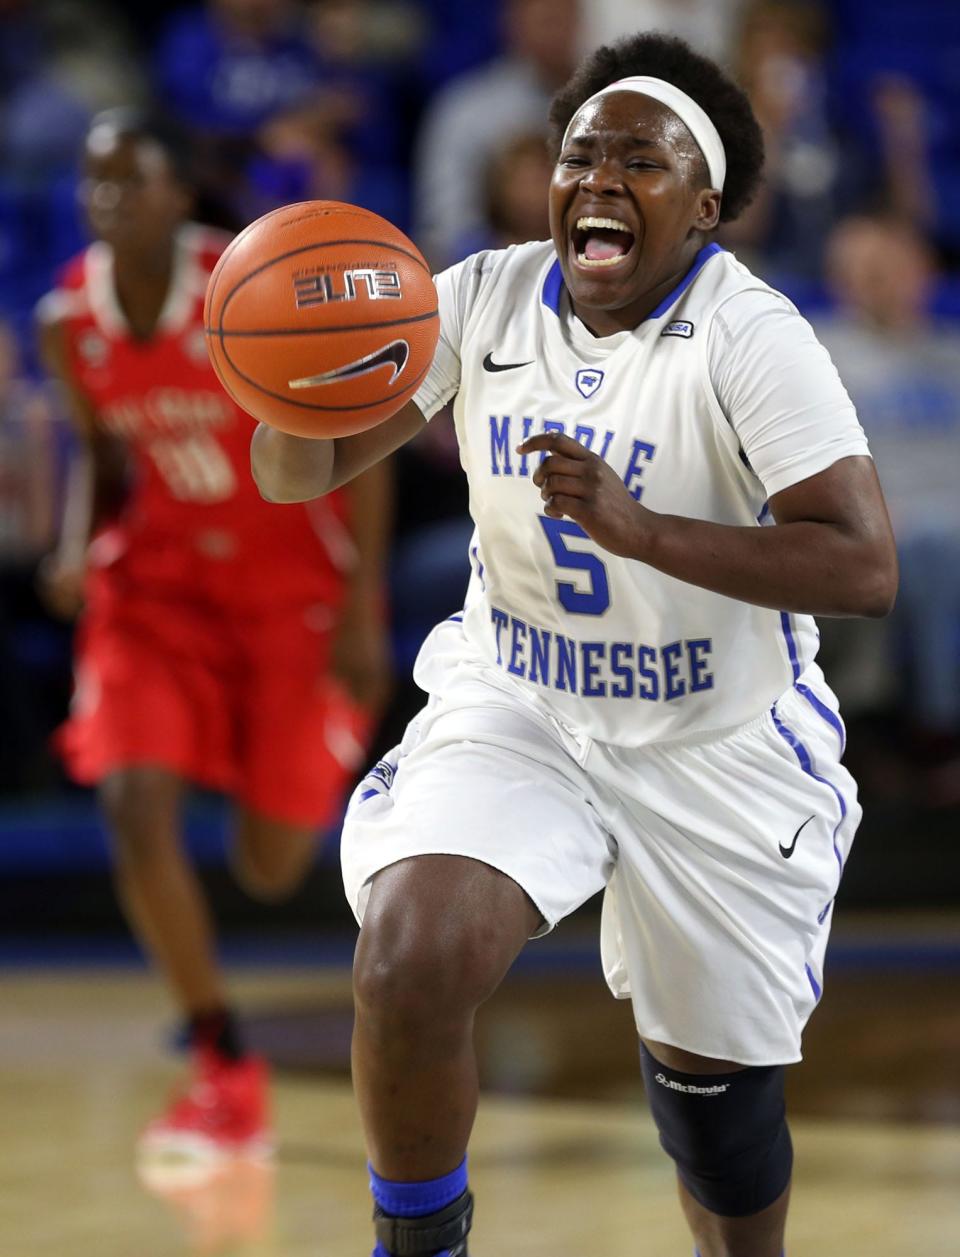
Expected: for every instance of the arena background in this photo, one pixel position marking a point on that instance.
(376, 102)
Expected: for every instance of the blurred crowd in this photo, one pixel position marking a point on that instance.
(432, 113)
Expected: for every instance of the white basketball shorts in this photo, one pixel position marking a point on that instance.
(720, 855)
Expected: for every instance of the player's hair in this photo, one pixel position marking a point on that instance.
(668, 58)
(129, 122)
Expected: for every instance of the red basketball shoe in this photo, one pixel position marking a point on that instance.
(223, 1114)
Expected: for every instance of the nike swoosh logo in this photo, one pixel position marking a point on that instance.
(787, 852)
(490, 365)
(394, 355)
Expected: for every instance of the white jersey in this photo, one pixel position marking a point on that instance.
(720, 399)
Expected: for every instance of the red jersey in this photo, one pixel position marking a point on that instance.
(194, 524)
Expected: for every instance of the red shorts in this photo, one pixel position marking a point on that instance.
(240, 703)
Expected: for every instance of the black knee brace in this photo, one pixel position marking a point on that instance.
(727, 1133)
(443, 1231)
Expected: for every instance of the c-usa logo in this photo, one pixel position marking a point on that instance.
(588, 381)
(679, 327)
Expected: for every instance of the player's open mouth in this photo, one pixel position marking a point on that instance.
(601, 242)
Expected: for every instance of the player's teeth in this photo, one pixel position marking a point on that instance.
(584, 224)
(585, 261)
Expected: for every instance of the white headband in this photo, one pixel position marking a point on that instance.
(687, 110)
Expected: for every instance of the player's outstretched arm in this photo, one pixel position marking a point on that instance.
(296, 469)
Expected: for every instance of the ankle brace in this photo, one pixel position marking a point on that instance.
(442, 1232)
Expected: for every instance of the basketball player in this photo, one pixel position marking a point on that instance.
(629, 699)
(222, 643)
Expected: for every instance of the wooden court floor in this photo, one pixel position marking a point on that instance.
(564, 1162)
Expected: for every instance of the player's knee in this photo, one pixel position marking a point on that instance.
(727, 1133)
(271, 872)
(413, 970)
(268, 881)
(269, 858)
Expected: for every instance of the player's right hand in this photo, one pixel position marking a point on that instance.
(60, 582)
(361, 658)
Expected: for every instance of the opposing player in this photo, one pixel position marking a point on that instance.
(222, 643)
(629, 699)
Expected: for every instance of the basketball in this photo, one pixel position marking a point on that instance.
(321, 319)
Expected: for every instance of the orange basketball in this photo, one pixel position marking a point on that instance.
(321, 319)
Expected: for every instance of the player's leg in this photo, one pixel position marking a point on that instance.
(152, 711)
(438, 936)
(724, 1126)
(148, 715)
(151, 714)
(224, 1109)
(475, 834)
(715, 923)
(270, 857)
(157, 885)
(439, 933)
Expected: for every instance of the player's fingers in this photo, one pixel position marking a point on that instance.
(573, 486)
(556, 442)
(562, 504)
(556, 464)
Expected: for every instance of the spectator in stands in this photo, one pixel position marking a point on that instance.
(224, 68)
(779, 60)
(709, 25)
(226, 65)
(342, 141)
(895, 72)
(361, 32)
(515, 184)
(510, 95)
(458, 38)
(305, 154)
(363, 58)
(61, 63)
(903, 125)
(289, 104)
(901, 370)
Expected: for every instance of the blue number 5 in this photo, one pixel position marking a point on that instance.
(576, 601)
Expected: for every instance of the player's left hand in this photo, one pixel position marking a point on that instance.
(361, 658)
(576, 483)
